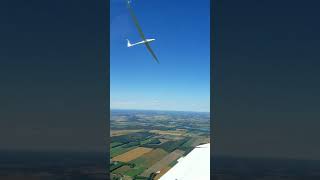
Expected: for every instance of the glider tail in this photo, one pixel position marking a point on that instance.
(129, 44)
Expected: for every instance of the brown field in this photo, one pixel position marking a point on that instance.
(150, 158)
(123, 132)
(162, 172)
(163, 163)
(175, 133)
(132, 154)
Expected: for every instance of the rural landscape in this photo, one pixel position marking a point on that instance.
(146, 144)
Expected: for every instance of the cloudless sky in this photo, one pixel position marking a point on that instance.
(182, 79)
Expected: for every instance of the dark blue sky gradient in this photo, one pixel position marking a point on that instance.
(182, 79)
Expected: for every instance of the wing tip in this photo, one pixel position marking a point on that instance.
(156, 59)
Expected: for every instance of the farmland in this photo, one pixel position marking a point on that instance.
(150, 158)
(119, 150)
(164, 162)
(147, 142)
(132, 154)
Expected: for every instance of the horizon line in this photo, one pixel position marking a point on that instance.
(158, 110)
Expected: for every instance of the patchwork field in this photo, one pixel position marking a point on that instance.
(145, 142)
(163, 163)
(124, 132)
(150, 158)
(168, 146)
(150, 141)
(132, 154)
(195, 141)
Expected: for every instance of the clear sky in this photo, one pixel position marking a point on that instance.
(182, 79)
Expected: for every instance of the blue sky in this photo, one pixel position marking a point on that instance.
(182, 79)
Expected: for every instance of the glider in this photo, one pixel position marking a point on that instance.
(144, 40)
(141, 42)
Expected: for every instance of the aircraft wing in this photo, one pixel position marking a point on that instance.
(140, 32)
(195, 165)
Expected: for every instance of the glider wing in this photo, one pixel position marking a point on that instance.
(140, 32)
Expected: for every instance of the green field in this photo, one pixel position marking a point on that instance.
(120, 150)
(115, 144)
(128, 171)
(168, 146)
(150, 141)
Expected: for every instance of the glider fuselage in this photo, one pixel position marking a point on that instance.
(141, 42)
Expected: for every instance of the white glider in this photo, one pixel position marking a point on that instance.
(144, 40)
(141, 42)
